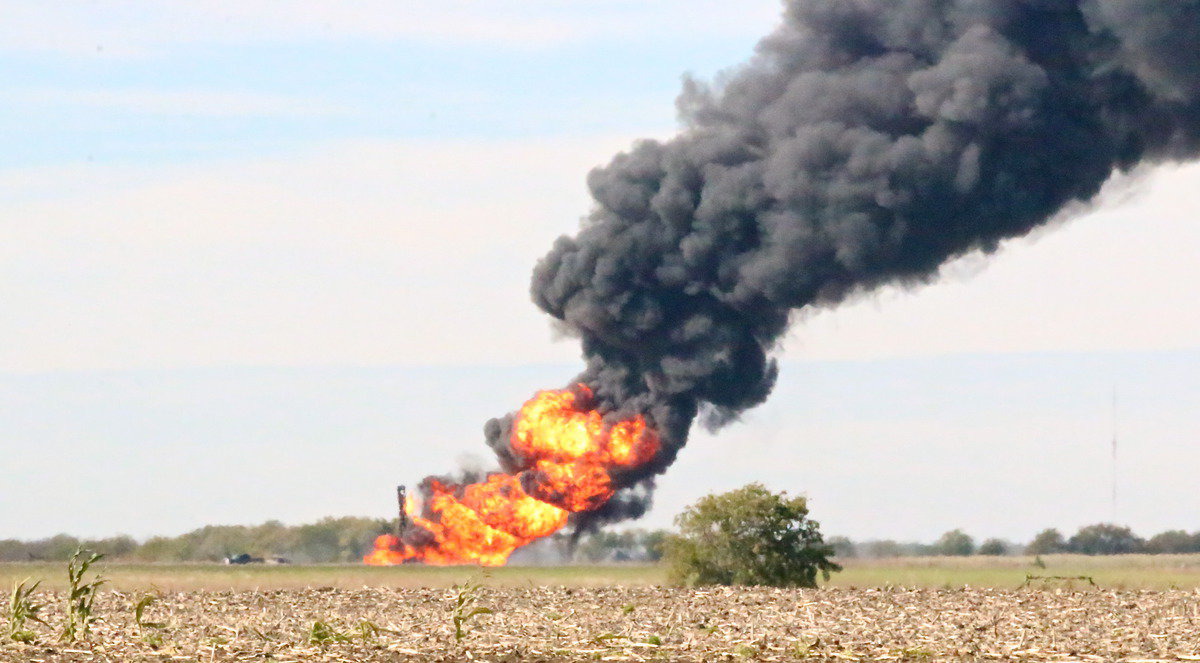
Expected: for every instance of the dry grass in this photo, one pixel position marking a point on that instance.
(217, 577)
(1117, 571)
(640, 623)
(1120, 572)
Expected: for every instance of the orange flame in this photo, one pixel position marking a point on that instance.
(568, 452)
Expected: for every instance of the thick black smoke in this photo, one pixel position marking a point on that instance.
(866, 143)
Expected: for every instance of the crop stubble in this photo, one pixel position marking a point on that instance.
(644, 623)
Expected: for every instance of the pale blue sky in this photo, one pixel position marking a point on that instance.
(906, 448)
(266, 259)
(118, 94)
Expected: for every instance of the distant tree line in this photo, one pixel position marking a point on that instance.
(346, 540)
(594, 547)
(58, 548)
(1108, 539)
(1098, 539)
(631, 545)
(330, 540)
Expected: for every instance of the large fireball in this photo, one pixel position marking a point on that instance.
(568, 452)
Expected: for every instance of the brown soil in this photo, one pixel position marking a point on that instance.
(645, 623)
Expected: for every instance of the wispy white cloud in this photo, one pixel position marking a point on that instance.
(140, 26)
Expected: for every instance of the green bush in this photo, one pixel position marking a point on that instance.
(843, 547)
(749, 536)
(1105, 539)
(1177, 542)
(955, 543)
(993, 547)
(1047, 542)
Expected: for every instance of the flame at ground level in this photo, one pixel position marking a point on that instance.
(568, 451)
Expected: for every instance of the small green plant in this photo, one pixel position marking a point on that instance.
(323, 634)
(22, 609)
(914, 654)
(368, 631)
(151, 631)
(465, 608)
(262, 635)
(755, 650)
(605, 638)
(81, 595)
(139, 612)
(746, 651)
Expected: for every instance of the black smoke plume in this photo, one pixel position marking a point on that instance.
(866, 143)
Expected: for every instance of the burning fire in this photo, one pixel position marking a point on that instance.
(568, 450)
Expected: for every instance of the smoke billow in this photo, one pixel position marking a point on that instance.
(866, 143)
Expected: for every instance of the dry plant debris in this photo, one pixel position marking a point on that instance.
(636, 624)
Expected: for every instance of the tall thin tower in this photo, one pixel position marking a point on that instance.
(1114, 454)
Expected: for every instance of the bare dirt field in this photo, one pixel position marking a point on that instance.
(919, 609)
(637, 623)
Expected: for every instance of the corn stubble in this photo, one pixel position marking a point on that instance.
(82, 592)
(23, 609)
(1032, 624)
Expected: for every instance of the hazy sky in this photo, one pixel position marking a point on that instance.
(265, 259)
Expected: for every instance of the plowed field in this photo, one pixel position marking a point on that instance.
(635, 623)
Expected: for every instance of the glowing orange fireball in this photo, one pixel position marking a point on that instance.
(569, 452)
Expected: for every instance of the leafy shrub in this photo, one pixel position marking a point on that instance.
(1047, 542)
(749, 536)
(1176, 542)
(1105, 539)
(995, 547)
(955, 543)
(843, 547)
